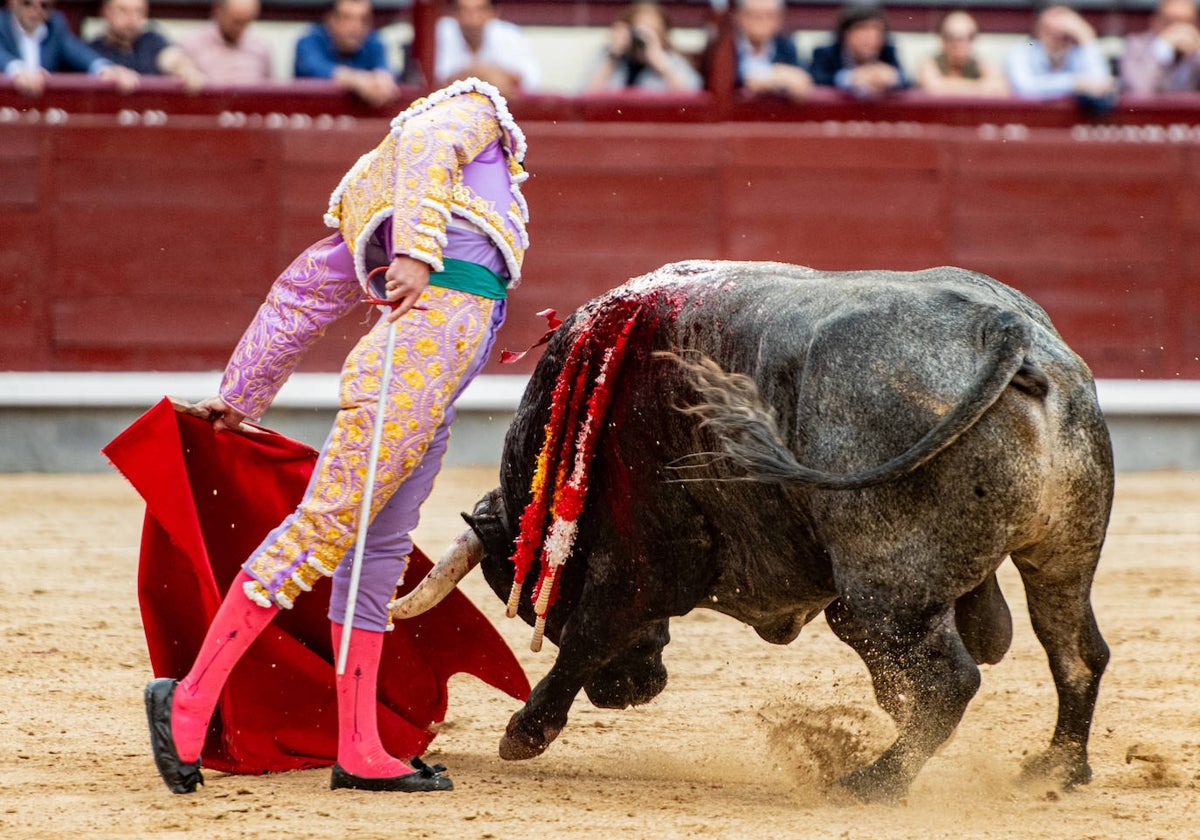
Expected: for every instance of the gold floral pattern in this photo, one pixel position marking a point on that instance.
(434, 350)
(415, 177)
(302, 303)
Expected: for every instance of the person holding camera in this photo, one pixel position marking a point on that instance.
(639, 56)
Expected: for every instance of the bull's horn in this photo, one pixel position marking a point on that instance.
(463, 555)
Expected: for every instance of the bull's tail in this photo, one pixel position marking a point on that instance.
(730, 405)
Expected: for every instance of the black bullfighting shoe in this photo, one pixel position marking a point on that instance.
(417, 764)
(179, 777)
(422, 780)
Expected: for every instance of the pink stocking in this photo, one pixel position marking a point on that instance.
(360, 751)
(234, 628)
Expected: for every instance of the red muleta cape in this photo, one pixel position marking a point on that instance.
(210, 500)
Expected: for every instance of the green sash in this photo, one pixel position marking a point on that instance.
(469, 277)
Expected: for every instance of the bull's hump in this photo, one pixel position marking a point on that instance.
(681, 280)
(718, 271)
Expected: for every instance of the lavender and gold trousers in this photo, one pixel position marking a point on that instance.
(439, 350)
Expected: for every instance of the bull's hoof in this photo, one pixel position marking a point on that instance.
(1064, 766)
(874, 784)
(519, 743)
(629, 684)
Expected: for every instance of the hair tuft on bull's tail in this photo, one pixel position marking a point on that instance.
(730, 406)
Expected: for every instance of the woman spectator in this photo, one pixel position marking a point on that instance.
(639, 55)
(957, 70)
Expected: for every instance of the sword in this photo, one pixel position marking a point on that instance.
(364, 515)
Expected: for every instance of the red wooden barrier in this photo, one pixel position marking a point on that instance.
(148, 247)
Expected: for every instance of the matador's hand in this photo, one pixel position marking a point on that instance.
(406, 280)
(225, 418)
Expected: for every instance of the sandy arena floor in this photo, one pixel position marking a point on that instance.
(739, 744)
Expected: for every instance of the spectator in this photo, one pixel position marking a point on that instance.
(473, 41)
(1062, 59)
(957, 70)
(862, 59)
(226, 51)
(35, 41)
(127, 41)
(767, 59)
(345, 48)
(1165, 58)
(639, 55)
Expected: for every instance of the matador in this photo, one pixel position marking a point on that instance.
(433, 221)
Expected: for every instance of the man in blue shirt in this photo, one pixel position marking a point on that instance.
(1064, 59)
(36, 41)
(346, 49)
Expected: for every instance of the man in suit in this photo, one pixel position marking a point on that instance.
(861, 60)
(36, 41)
(767, 59)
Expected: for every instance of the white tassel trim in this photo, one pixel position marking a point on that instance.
(336, 197)
(437, 235)
(360, 246)
(304, 587)
(516, 220)
(560, 540)
(436, 205)
(522, 205)
(250, 587)
(429, 259)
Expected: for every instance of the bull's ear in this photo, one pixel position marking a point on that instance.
(490, 530)
(488, 520)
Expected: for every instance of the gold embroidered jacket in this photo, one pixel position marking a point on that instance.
(414, 179)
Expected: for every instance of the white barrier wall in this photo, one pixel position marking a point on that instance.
(57, 422)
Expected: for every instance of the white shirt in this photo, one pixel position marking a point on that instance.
(504, 45)
(1031, 76)
(30, 46)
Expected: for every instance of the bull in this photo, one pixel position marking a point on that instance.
(782, 442)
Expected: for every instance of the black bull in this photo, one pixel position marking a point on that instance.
(782, 442)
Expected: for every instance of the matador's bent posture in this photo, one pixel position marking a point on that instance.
(438, 203)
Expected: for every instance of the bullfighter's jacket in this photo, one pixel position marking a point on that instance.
(415, 180)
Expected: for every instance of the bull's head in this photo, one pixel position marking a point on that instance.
(487, 535)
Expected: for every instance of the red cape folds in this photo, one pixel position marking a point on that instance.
(210, 500)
